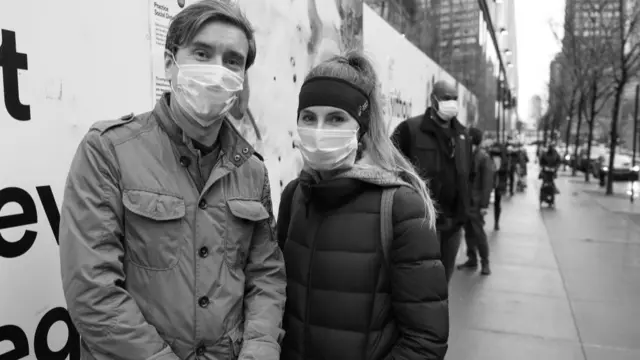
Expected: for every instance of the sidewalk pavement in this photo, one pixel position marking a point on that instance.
(565, 282)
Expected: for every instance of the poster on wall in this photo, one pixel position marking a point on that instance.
(160, 14)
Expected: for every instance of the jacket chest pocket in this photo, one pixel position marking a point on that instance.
(154, 229)
(244, 216)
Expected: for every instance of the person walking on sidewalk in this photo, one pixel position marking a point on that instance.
(438, 145)
(498, 154)
(167, 236)
(481, 182)
(512, 159)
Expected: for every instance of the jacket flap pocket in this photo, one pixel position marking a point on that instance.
(159, 207)
(248, 209)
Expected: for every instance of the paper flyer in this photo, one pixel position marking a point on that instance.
(161, 13)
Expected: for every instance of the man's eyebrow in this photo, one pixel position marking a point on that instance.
(200, 44)
(235, 53)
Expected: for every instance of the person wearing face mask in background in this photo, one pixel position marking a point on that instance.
(438, 145)
(358, 232)
(167, 238)
(481, 183)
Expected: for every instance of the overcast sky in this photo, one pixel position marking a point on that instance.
(536, 46)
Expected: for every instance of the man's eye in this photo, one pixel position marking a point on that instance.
(234, 62)
(200, 54)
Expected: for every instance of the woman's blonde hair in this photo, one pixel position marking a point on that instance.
(357, 69)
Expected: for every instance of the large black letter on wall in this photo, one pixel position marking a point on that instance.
(28, 216)
(11, 61)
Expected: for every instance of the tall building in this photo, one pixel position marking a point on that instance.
(457, 34)
(466, 49)
(416, 19)
(535, 108)
(588, 24)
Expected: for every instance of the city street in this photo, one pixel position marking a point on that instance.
(565, 282)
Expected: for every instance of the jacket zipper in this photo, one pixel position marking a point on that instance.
(307, 333)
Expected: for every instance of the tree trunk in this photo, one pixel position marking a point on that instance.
(591, 121)
(614, 133)
(577, 143)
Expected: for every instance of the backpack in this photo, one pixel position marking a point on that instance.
(386, 219)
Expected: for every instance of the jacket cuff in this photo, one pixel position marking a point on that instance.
(259, 350)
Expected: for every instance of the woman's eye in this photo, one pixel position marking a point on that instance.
(337, 119)
(307, 118)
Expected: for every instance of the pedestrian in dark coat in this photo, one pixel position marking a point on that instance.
(438, 145)
(498, 153)
(481, 182)
(354, 293)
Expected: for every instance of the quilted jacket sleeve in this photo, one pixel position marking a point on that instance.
(419, 292)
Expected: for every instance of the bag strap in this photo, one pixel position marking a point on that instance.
(284, 215)
(386, 221)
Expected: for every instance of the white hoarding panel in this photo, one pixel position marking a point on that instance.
(66, 65)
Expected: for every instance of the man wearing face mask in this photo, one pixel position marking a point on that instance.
(437, 144)
(167, 238)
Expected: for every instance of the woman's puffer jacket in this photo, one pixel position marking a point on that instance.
(343, 302)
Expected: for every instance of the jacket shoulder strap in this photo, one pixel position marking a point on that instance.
(386, 221)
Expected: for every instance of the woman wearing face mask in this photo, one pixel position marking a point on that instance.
(353, 292)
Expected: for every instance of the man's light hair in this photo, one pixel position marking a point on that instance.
(188, 22)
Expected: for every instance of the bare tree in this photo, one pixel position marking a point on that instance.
(572, 82)
(624, 46)
(590, 81)
(598, 79)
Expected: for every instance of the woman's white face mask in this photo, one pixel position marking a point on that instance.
(328, 149)
(206, 92)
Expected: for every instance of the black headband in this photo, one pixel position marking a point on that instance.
(330, 91)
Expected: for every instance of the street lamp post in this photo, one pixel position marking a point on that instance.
(498, 101)
(635, 143)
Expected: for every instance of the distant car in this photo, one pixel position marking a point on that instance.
(623, 169)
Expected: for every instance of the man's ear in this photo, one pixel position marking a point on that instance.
(169, 62)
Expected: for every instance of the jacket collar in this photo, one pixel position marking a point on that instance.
(235, 150)
(345, 185)
(429, 122)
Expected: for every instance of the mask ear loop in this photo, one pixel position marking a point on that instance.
(361, 144)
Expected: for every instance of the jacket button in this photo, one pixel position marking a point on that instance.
(200, 350)
(204, 252)
(236, 158)
(202, 205)
(203, 302)
(185, 161)
(245, 150)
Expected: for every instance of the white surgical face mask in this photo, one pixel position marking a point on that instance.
(206, 92)
(328, 149)
(448, 109)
